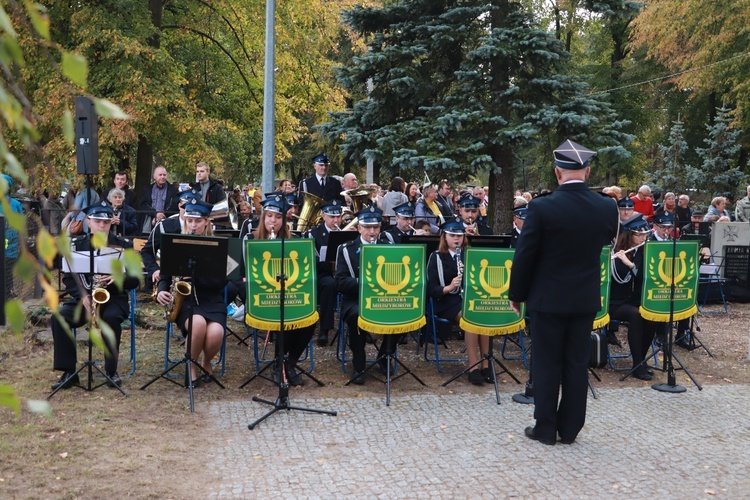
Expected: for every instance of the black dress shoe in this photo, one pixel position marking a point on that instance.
(323, 339)
(293, 377)
(531, 434)
(276, 376)
(487, 374)
(567, 441)
(641, 373)
(67, 380)
(114, 380)
(196, 382)
(359, 379)
(476, 377)
(683, 342)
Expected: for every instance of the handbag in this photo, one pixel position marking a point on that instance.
(76, 226)
(599, 350)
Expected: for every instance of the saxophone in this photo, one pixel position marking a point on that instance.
(179, 290)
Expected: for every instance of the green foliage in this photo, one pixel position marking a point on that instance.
(720, 174)
(674, 175)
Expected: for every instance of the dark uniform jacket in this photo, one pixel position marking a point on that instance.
(552, 272)
(148, 252)
(320, 234)
(332, 190)
(347, 272)
(395, 235)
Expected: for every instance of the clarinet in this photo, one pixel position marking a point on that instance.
(460, 267)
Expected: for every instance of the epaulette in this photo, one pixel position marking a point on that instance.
(541, 195)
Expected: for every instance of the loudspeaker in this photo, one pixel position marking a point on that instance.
(87, 137)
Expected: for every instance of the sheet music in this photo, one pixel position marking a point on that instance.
(103, 261)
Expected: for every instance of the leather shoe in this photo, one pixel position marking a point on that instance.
(487, 374)
(683, 342)
(323, 339)
(531, 434)
(114, 380)
(359, 379)
(567, 441)
(293, 377)
(67, 380)
(276, 376)
(641, 373)
(476, 377)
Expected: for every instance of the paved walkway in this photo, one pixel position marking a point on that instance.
(637, 443)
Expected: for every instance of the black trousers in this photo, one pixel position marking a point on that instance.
(326, 302)
(562, 345)
(295, 343)
(358, 340)
(65, 357)
(640, 331)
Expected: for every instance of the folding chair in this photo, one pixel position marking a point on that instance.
(710, 276)
(614, 326)
(521, 340)
(433, 341)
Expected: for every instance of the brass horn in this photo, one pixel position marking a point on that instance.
(225, 213)
(358, 196)
(310, 215)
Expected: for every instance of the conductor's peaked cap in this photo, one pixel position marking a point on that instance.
(572, 156)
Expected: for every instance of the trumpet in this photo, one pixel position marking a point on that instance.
(272, 236)
(179, 290)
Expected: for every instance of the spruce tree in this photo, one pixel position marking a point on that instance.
(720, 174)
(674, 174)
(460, 87)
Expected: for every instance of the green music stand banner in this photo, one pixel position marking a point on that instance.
(605, 276)
(486, 308)
(658, 277)
(391, 288)
(262, 265)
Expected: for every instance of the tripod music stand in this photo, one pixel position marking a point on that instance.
(489, 356)
(197, 257)
(667, 345)
(91, 264)
(282, 400)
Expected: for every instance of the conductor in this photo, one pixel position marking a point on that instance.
(556, 272)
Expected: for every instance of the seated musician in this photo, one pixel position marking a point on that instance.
(519, 216)
(113, 312)
(296, 340)
(173, 225)
(444, 275)
(404, 218)
(625, 290)
(468, 210)
(331, 213)
(206, 298)
(347, 281)
(626, 209)
(663, 227)
(292, 214)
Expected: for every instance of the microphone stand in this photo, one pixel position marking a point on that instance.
(282, 400)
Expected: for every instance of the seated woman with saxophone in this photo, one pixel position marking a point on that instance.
(444, 275)
(205, 295)
(625, 290)
(112, 310)
(296, 340)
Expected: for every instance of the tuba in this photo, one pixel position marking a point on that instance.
(179, 290)
(358, 196)
(310, 215)
(225, 213)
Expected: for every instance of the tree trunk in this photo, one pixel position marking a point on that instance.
(501, 189)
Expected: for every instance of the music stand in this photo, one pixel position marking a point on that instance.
(335, 240)
(84, 262)
(431, 242)
(197, 257)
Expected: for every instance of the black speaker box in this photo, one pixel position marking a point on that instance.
(87, 137)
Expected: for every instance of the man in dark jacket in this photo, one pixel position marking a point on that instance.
(121, 182)
(158, 201)
(210, 190)
(556, 272)
(321, 184)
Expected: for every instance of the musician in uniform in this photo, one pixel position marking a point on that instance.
(663, 226)
(556, 272)
(327, 291)
(347, 281)
(321, 184)
(625, 290)
(468, 210)
(296, 340)
(519, 216)
(173, 225)
(404, 219)
(79, 286)
(206, 298)
(444, 276)
(626, 208)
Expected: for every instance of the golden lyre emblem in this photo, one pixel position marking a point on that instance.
(272, 268)
(393, 277)
(665, 267)
(495, 280)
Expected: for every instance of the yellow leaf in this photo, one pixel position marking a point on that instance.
(45, 244)
(53, 298)
(68, 128)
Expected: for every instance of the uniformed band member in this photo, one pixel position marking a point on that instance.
(113, 312)
(206, 298)
(468, 209)
(347, 281)
(172, 225)
(270, 226)
(626, 208)
(556, 272)
(327, 291)
(519, 216)
(404, 224)
(663, 226)
(292, 214)
(321, 184)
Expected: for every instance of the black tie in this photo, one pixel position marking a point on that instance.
(323, 182)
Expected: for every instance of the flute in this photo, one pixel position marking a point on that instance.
(630, 249)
